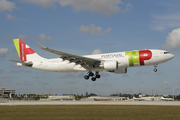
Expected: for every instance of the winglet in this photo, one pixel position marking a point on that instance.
(41, 46)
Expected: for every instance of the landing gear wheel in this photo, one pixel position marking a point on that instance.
(86, 77)
(91, 74)
(93, 79)
(155, 69)
(98, 76)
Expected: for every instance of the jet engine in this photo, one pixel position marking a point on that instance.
(110, 65)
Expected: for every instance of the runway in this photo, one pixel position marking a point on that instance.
(161, 103)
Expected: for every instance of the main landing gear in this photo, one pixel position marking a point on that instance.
(90, 74)
(155, 69)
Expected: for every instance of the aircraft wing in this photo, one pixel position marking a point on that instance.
(83, 61)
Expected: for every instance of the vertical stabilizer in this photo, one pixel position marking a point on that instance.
(25, 52)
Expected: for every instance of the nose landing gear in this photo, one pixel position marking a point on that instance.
(90, 74)
(155, 69)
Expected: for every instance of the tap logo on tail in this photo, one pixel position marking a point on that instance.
(22, 49)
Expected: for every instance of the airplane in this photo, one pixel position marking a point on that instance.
(166, 99)
(117, 62)
(138, 99)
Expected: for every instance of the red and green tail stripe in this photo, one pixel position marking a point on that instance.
(22, 49)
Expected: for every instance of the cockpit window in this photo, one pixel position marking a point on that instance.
(166, 52)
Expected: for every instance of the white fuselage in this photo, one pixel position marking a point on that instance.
(124, 60)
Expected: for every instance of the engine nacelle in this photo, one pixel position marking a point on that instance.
(110, 65)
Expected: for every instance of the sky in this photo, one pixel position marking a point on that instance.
(84, 27)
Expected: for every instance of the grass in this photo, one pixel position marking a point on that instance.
(89, 112)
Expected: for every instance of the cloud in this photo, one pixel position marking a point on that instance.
(7, 6)
(44, 37)
(92, 29)
(172, 40)
(128, 8)
(10, 17)
(106, 7)
(108, 30)
(165, 82)
(97, 51)
(3, 52)
(163, 22)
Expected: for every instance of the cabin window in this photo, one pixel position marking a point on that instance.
(166, 52)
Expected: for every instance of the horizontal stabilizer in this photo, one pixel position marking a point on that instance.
(25, 63)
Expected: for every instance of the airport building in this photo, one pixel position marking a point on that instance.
(91, 98)
(7, 93)
(63, 97)
(36, 96)
(106, 98)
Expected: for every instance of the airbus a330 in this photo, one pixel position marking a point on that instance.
(117, 62)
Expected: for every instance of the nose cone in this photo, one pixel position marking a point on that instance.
(171, 56)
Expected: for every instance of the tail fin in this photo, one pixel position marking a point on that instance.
(25, 52)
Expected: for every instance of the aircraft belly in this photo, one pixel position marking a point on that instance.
(63, 67)
(69, 67)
